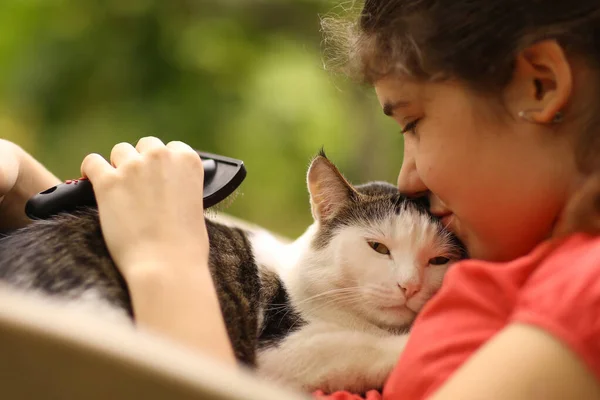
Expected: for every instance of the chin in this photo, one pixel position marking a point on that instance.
(478, 251)
(399, 318)
(503, 248)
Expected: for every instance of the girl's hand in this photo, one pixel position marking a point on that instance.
(21, 176)
(150, 203)
(9, 167)
(152, 217)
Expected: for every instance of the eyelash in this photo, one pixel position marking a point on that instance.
(410, 127)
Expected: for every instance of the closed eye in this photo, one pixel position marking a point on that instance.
(439, 260)
(379, 247)
(410, 127)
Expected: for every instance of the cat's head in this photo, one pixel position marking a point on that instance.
(374, 252)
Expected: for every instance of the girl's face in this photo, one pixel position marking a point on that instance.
(498, 181)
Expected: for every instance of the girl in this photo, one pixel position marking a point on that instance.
(497, 103)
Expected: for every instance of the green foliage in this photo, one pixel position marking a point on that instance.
(243, 78)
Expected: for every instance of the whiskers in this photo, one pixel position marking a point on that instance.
(342, 298)
(381, 293)
(329, 297)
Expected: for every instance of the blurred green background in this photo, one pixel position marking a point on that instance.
(243, 78)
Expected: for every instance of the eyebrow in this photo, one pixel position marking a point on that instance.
(389, 107)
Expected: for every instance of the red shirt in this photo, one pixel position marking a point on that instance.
(556, 288)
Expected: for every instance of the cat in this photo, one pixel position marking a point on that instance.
(332, 315)
(358, 276)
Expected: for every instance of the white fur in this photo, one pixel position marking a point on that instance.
(89, 302)
(326, 356)
(344, 291)
(272, 252)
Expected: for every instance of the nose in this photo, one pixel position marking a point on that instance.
(409, 289)
(409, 181)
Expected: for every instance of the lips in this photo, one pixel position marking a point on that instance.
(446, 219)
(444, 216)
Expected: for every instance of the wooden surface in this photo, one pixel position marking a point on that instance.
(51, 353)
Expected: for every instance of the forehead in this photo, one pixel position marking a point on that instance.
(393, 89)
(378, 219)
(396, 88)
(376, 209)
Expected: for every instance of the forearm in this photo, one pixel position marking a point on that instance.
(32, 178)
(181, 303)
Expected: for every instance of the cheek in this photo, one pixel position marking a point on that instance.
(450, 144)
(464, 165)
(505, 203)
(443, 162)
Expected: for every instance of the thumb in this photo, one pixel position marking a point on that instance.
(9, 166)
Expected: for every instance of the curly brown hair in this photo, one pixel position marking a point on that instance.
(476, 42)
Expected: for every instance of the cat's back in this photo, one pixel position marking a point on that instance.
(65, 255)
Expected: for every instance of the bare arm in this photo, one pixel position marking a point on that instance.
(177, 299)
(21, 176)
(522, 362)
(152, 217)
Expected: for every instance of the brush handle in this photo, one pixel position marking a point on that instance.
(73, 194)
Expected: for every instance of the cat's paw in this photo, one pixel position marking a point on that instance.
(368, 369)
(347, 382)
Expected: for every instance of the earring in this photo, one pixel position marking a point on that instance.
(558, 117)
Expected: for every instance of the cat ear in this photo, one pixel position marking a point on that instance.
(329, 190)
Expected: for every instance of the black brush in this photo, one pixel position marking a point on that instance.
(222, 176)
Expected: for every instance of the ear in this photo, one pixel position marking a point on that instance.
(542, 82)
(329, 190)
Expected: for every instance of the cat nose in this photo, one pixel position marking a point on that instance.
(409, 289)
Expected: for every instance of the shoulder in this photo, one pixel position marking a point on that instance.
(573, 263)
(573, 258)
(562, 297)
(576, 250)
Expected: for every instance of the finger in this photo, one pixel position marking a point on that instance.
(186, 152)
(121, 153)
(148, 143)
(94, 166)
(9, 167)
(180, 146)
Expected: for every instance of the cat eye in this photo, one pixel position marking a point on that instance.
(439, 261)
(379, 247)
